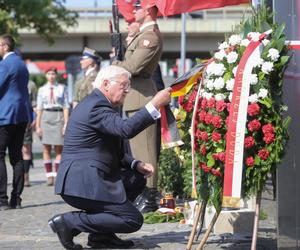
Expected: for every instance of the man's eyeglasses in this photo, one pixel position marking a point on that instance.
(124, 85)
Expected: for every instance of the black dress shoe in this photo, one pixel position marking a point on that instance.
(64, 234)
(4, 205)
(15, 202)
(108, 241)
(147, 201)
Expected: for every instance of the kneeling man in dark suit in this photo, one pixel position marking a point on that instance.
(95, 174)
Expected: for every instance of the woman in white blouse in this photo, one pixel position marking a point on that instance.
(52, 116)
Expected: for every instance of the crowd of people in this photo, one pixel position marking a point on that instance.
(105, 151)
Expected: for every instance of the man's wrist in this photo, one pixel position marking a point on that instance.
(135, 163)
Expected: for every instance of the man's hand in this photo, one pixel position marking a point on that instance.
(162, 98)
(145, 168)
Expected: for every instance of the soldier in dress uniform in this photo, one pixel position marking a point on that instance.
(141, 59)
(90, 63)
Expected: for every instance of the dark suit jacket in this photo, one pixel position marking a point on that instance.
(14, 100)
(93, 153)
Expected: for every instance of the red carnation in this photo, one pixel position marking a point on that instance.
(202, 115)
(221, 156)
(204, 136)
(249, 142)
(269, 138)
(203, 150)
(253, 109)
(215, 172)
(217, 121)
(220, 105)
(204, 103)
(215, 156)
(263, 154)
(216, 136)
(254, 125)
(198, 133)
(205, 168)
(228, 106)
(188, 106)
(208, 118)
(193, 96)
(268, 128)
(211, 102)
(250, 161)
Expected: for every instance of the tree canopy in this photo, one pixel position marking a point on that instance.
(46, 17)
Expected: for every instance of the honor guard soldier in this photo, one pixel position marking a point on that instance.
(141, 59)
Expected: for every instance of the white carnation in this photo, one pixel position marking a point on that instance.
(219, 83)
(234, 70)
(207, 95)
(253, 79)
(265, 42)
(232, 57)
(254, 36)
(258, 62)
(230, 84)
(217, 69)
(267, 67)
(210, 84)
(220, 54)
(245, 42)
(219, 97)
(263, 93)
(234, 40)
(253, 98)
(223, 45)
(273, 54)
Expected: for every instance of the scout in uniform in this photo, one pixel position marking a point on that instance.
(52, 117)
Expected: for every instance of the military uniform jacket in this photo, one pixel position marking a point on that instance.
(93, 150)
(141, 59)
(85, 86)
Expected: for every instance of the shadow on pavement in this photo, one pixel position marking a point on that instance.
(44, 204)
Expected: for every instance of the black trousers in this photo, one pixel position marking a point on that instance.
(11, 137)
(106, 217)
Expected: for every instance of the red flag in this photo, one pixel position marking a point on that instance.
(172, 7)
(126, 8)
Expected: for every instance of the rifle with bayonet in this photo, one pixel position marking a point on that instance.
(116, 36)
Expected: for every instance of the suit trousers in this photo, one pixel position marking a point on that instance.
(11, 137)
(106, 217)
(144, 147)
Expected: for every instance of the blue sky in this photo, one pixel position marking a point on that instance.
(88, 3)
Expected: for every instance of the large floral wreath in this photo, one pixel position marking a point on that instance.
(266, 129)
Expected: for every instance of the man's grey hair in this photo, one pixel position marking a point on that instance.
(109, 73)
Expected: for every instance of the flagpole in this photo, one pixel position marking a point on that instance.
(181, 70)
(183, 44)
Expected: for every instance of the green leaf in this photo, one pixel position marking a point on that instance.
(284, 59)
(256, 160)
(266, 101)
(211, 162)
(279, 31)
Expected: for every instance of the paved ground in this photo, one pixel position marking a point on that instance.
(27, 228)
